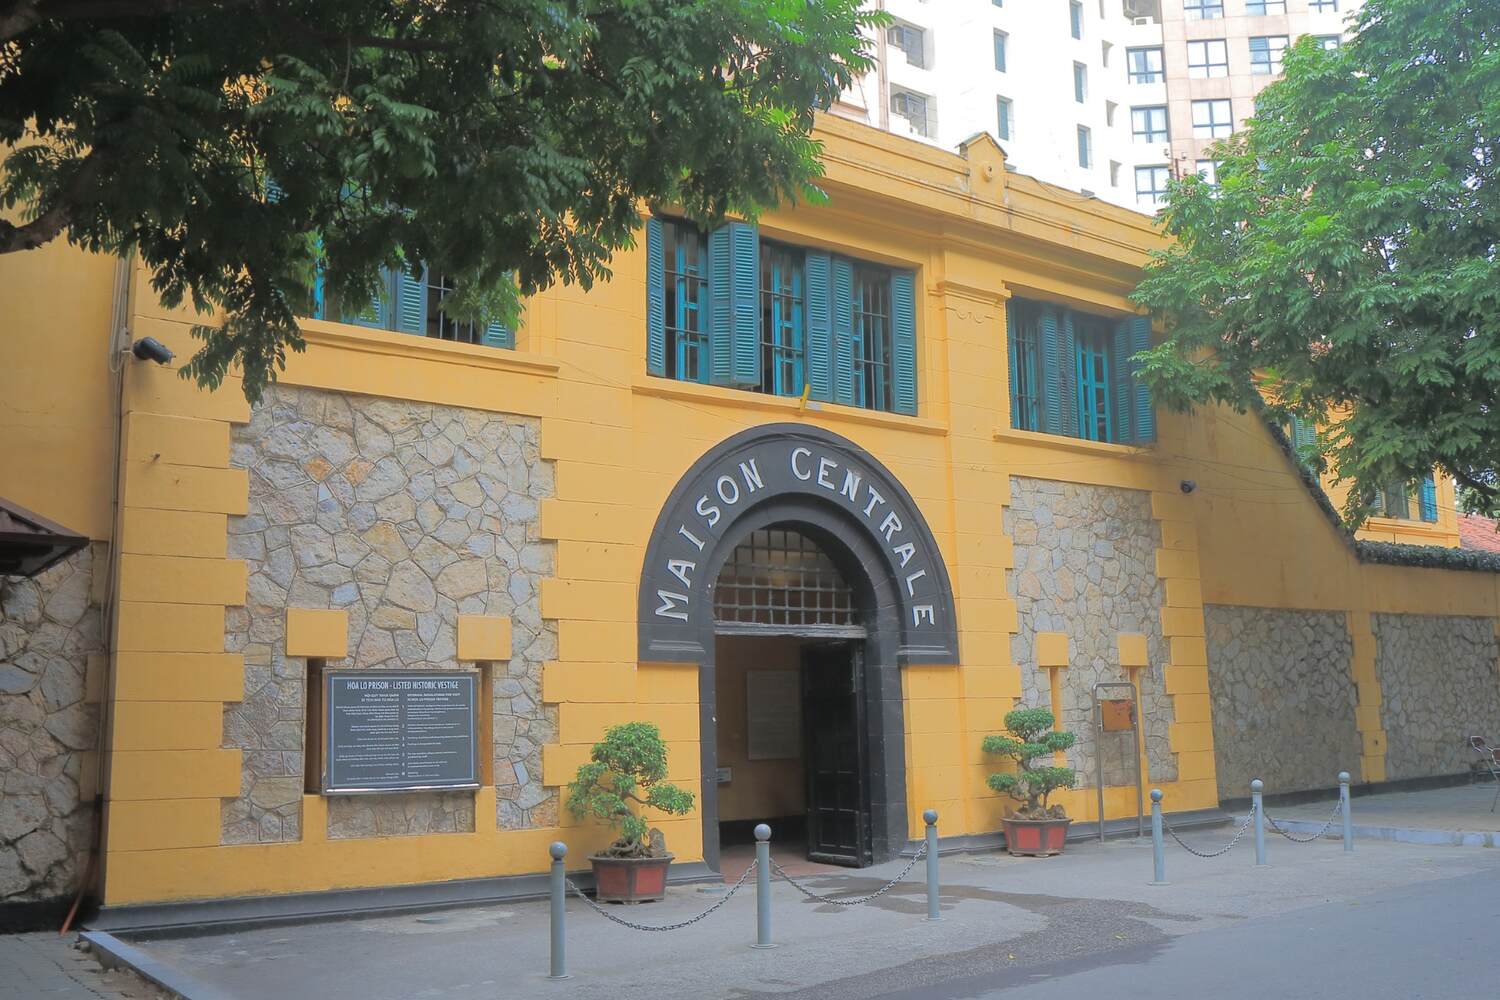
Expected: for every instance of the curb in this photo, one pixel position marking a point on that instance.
(113, 953)
(1392, 834)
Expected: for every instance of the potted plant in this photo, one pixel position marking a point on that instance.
(625, 773)
(1033, 828)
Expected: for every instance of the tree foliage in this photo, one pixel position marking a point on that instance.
(626, 772)
(1031, 737)
(1348, 253)
(506, 143)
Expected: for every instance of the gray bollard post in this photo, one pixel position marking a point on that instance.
(1344, 810)
(1158, 846)
(762, 887)
(930, 818)
(559, 850)
(1260, 814)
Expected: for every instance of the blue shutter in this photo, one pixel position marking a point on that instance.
(656, 299)
(496, 335)
(376, 315)
(819, 326)
(1378, 503)
(319, 298)
(1010, 346)
(1053, 383)
(843, 331)
(1068, 372)
(1429, 498)
(411, 302)
(1143, 420)
(904, 341)
(1121, 385)
(734, 319)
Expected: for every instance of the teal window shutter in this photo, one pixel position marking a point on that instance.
(734, 327)
(377, 315)
(904, 341)
(1068, 372)
(1121, 384)
(411, 302)
(1053, 383)
(656, 299)
(1304, 435)
(497, 335)
(819, 326)
(1016, 419)
(1377, 502)
(1143, 419)
(1429, 498)
(842, 272)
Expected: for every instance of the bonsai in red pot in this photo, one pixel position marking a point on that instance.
(625, 773)
(1033, 827)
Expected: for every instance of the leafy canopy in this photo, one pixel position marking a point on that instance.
(506, 144)
(626, 771)
(1349, 252)
(1031, 737)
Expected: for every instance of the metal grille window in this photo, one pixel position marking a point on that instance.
(1212, 119)
(780, 577)
(687, 302)
(783, 315)
(1094, 407)
(1208, 58)
(1202, 10)
(1266, 53)
(872, 338)
(1145, 65)
(1149, 124)
(439, 325)
(1025, 402)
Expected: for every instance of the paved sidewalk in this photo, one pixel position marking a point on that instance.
(999, 915)
(48, 965)
(1458, 816)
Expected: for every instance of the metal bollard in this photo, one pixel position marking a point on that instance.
(930, 818)
(1260, 814)
(1344, 810)
(762, 887)
(559, 850)
(1158, 845)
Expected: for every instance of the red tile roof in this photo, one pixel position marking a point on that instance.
(1476, 532)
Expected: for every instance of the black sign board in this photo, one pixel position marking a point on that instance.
(388, 731)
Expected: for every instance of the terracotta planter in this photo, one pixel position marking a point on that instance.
(1040, 838)
(630, 880)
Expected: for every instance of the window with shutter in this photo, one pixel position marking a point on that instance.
(1428, 495)
(819, 326)
(734, 340)
(903, 343)
(1092, 343)
(783, 319)
(685, 305)
(1022, 322)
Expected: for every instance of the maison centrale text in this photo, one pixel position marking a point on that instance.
(743, 481)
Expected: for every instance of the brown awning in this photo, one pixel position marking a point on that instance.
(29, 543)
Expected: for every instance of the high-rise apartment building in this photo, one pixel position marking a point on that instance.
(1106, 97)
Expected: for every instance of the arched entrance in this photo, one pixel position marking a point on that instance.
(790, 551)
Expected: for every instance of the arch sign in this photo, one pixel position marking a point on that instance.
(790, 474)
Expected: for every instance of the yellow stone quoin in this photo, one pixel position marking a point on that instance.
(977, 236)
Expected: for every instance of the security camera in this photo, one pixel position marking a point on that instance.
(1187, 485)
(151, 349)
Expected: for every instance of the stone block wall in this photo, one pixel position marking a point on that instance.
(405, 515)
(1283, 698)
(50, 639)
(1439, 685)
(1085, 565)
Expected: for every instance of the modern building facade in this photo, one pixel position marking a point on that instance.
(824, 541)
(1108, 98)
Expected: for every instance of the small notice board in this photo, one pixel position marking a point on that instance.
(394, 731)
(773, 714)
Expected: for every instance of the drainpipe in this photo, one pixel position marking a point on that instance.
(881, 76)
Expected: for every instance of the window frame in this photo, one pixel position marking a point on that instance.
(1213, 125)
(1273, 56)
(1156, 193)
(1203, 10)
(687, 348)
(1005, 117)
(1080, 82)
(1002, 39)
(1158, 74)
(1075, 19)
(1093, 342)
(1150, 134)
(873, 339)
(782, 333)
(1085, 147)
(1264, 8)
(1205, 70)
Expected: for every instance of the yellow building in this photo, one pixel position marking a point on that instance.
(823, 498)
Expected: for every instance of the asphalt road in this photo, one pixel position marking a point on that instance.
(1429, 941)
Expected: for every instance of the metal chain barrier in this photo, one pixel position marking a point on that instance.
(1338, 807)
(604, 912)
(781, 873)
(1210, 854)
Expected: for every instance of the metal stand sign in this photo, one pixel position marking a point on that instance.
(1118, 715)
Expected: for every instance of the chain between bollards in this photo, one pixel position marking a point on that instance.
(762, 887)
(1344, 808)
(1158, 845)
(930, 817)
(1258, 817)
(559, 876)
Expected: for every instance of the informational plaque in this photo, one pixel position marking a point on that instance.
(389, 731)
(773, 710)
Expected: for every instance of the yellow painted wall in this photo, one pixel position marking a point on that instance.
(976, 235)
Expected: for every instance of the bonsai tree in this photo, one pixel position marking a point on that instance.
(1031, 737)
(625, 772)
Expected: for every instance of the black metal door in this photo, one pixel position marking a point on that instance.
(833, 724)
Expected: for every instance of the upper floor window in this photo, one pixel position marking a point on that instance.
(1328, 42)
(1322, 5)
(1145, 65)
(1265, 7)
(1202, 10)
(1395, 500)
(1071, 373)
(410, 303)
(1149, 124)
(913, 107)
(1085, 147)
(1080, 82)
(731, 309)
(1075, 18)
(1005, 117)
(1208, 58)
(1266, 53)
(1212, 119)
(1000, 38)
(1208, 170)
(909, 39)
(1151, 185)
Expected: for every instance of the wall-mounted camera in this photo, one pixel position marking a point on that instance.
(151, 349)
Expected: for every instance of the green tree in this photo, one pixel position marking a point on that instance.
(506, 143)
(1349, 252)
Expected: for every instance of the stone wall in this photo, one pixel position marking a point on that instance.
(1283, 697)
(405, 515)
(1438, 686)
(50, 640)
(1085, 564)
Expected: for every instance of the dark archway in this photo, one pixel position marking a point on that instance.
(826, 487)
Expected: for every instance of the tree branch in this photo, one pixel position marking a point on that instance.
(24, 14)
(46, 227)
